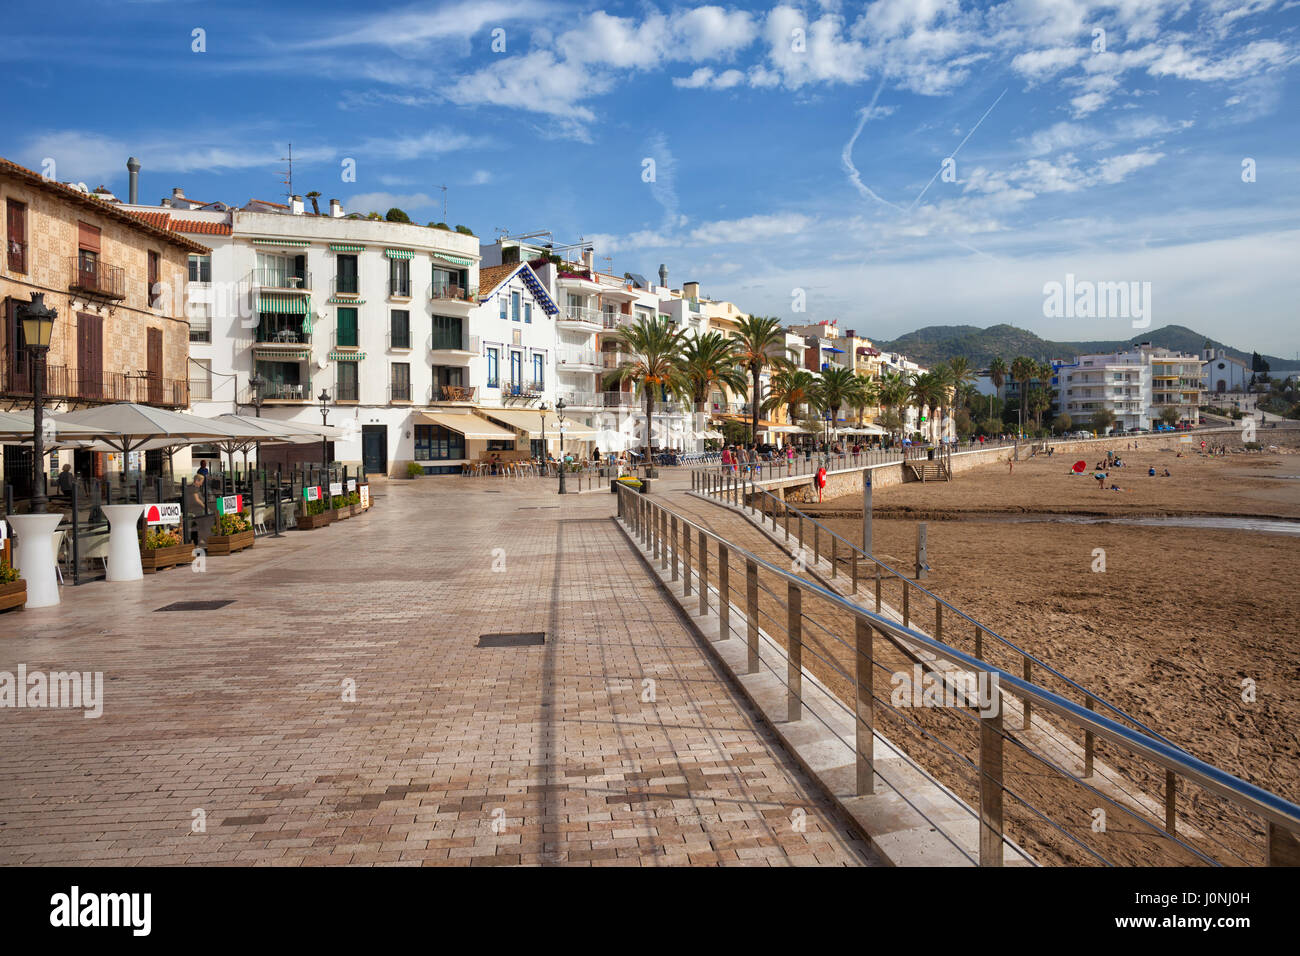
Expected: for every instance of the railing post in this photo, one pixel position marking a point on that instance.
(990, 787)
(656, 542)
(724, 594)
(76, 532)
(801, 531)
(1089, 746)
(663, 535)
(794, 652)
(751, 612)
(1171, 783)
(817, 544)
(938, 621)
(854, 554)
(865, 742)
(686, 559)
(834, 554)
(672, 539)
(786, 508)
(1029, 707)
(907, 613)
(877, 588)
(704, 573)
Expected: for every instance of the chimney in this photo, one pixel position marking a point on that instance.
(133, 167)
(589, 259)
(336, 209)
(166, 203)
(295, 205)
(690, 290)
(663, 275)
(178, 193)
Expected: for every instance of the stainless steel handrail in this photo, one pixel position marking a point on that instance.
(1275, 810)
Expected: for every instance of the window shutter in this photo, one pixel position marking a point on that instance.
(88, 237)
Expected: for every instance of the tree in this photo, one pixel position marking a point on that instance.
(759, 341)
(998, 373)
(396, 215)
(789, 388)
(1064, 423)
(315, 206)
(656, 365)
(1169, 415)
(893, 392)
(709, 360)
(1041, 401)
(867, 397)
(1102, 420)
(836, 387)
(925, 391)
(464, 230)
(1023, 369)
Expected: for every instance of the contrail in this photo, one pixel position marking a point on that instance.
(846, 155)
(956, 151)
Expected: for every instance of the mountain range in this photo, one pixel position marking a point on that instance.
(938, 343)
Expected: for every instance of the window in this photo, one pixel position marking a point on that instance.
(200, 322)
(435, 443)
(539, 373)
(399, 382)
(448, 283)
(501, 444)
(447, 332)
(346, 280)
(200, 380)
(200, 268)
(502, 300)
(516, 368)
(16, 235)
(399, 329)
(346, 336)
(528, 312)
(347, 382)
(494, 360)
(399, 277)
(276, 272)
(514, 306)
(155, 267)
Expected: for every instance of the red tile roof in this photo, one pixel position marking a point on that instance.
(490, 277)
(201, 228)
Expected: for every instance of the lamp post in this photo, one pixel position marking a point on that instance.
(543, 408)
(559, 414)
(257, 384)
(324, 399)
(38, 325)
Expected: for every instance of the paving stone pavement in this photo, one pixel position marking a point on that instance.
(451, 754)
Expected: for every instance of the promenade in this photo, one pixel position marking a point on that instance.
(231, 736)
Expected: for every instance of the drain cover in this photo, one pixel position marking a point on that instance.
(195, 606)
(518, 639)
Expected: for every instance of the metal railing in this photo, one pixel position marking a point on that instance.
(278, 392)
(96, 277)
(1022, 786)
(578, 313)
(399, 392)
(280, 280)
(451, 293)
(92, 385)
(452, 393)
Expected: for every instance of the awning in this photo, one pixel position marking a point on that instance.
(531, 423)
(285, 354)
(831, 348)
(296, 243)
(454, 260)
(336, 300)
(780, 429)
(282, 304)
(399, 253)
(347, 356)
(471, 426)
(345, 247)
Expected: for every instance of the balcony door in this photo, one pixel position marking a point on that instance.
(154, 358)
(90, 355)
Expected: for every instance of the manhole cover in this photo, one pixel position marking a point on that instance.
(195, 606)
(519, 639)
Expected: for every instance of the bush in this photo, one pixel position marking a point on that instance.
(396, 215)
(230, 524)
(159, 537)
(338, 501)
(313, 508)
(413, 470)
(8, 573)
(353, 497)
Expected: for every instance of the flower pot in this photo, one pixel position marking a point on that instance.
(13, 595)
(311, 522)
(230, 543)
(341, 513)
(159, 559)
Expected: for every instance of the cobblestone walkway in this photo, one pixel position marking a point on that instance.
(617, 742)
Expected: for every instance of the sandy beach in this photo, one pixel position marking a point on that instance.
(1178, 618)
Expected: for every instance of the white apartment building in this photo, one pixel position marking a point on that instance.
(1136, 385)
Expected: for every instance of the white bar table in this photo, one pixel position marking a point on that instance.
(34, 557)
(123, 543)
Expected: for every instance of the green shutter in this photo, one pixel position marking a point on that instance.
(282, 304)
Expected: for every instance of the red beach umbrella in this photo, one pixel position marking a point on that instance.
(1080, 467)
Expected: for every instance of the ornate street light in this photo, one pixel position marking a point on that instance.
(543, 408)
(559, 414)
(38, 326)
(324, 399)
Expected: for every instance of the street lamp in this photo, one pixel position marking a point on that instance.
(543, 408)
(559, 414)
(38, 325)
(324, 399)
(257, 384)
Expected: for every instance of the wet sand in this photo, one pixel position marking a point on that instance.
(1175, 622)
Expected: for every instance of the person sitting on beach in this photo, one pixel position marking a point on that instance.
(1166, 474)
(1151, 472)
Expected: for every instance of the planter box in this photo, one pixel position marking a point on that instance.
(230, 543)
(355, 510)
(159, 559)
(341, 513)
(13, 595)
(309, 522)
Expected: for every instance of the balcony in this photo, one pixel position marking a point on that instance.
(449, 348)
(96, 277)
(619, 400)
(522, 390)
(441, 292)
(577, 360)
(401, 289)
(615, 320)
(579, 399)
(347, 391)
(453, 393)
(280, 280)
(274, 332)
(281, 392)
(348, 286)
(615, 359)
(63, 383)
(576, 318)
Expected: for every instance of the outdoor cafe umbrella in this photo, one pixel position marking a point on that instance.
(127, 427)
(258, 430)
(17, 426)
(608, 440)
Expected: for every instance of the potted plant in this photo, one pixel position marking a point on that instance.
(353, 499)
(340, 505)
(231, 533)
(627, 481)
(13, 589)
(413, 470)
(162, 548)
(313, 515)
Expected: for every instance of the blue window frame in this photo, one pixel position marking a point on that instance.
(516, 368)
(435, 443)
(493, 357)
(514, 306)
(528, 312)
(502, 300)
(539, 371)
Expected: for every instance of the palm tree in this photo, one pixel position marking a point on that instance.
(315, 206)
(925, 391)
(1043, 394)
(1022, 370)
(759, 341)
(893, 392)
(709, 361)
(656, 365)
(944, 386)
(868, 397)
(791, 387)
(998, 376)
(836, 387)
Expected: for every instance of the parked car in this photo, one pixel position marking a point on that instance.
(1139, 431)
(1080, 433)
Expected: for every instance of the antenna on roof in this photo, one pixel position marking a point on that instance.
(288, 173)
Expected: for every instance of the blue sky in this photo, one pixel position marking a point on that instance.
(794, 147)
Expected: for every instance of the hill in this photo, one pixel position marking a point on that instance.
(938, 343)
